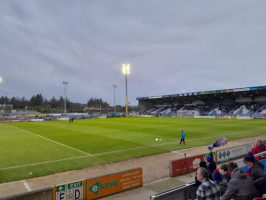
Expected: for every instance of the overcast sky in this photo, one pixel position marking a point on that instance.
(173, 46)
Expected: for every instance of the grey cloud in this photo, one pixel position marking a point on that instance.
(172, 46)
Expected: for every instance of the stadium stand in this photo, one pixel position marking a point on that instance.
(240, 102)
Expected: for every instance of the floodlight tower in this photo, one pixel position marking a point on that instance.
(126, 71)
(114, 86)
(1, 80)
(65, 84)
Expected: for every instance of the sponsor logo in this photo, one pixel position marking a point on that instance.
(97, 187)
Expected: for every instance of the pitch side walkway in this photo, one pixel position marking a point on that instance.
(155, 174)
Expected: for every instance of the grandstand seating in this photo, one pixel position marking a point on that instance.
(250, 110)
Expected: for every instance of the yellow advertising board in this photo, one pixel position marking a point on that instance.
(115, 183)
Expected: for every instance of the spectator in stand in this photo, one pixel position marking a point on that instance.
(222, 183)
(240, 185)
(256, 172)
(211, 166)
(225, 174)
(208, 190)
(259, 147)
(211, 152)
(201, 164)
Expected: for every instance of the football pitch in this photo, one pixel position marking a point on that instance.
(35, 149)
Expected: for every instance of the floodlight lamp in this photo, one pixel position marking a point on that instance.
(126, 69)
(1, 80)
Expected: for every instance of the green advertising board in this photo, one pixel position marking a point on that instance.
(70, 191)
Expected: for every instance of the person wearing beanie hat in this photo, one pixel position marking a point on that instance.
(249, 158)
(209, 159)
(211, 166)
(203, 164)
(216, 176)
(256, 172)
(222, 183)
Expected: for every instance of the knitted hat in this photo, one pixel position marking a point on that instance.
(249, 157)
(203, 164)
(216, 176)
(209, 159)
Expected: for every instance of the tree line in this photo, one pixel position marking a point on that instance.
(39, 103)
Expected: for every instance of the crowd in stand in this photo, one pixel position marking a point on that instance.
(230, 182)
(256, 110)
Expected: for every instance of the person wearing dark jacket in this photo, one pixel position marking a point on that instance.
(256, 172)
(240, 185)
(211, 166)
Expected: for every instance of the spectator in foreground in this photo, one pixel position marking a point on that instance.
(225, 174)
(259, 147)
(211, 166)
(240, 185)
(208, 190)
(256, 172)
(222, 183)
(201, 164)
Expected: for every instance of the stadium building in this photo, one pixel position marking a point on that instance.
(248, 102)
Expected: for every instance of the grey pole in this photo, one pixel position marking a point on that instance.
(114, 86)
(126, 96)
(65, 84)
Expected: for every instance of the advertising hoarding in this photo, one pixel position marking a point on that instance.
(185, 165)
(111, 184)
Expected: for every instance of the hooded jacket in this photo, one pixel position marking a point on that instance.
(241, 186)
(259, 177)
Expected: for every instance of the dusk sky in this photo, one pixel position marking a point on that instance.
(173, 46)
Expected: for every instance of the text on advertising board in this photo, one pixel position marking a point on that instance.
(107, 185)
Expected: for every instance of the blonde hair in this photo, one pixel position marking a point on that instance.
(258, 139)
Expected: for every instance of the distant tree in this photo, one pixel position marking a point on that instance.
(61, 103)
(4, 100)
(53, 102)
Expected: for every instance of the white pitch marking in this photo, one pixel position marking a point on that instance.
(110, 151)
(154, 145)
(43, 162)
(51, 140)
(27, 186)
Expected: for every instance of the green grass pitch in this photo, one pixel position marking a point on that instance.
(41, 148)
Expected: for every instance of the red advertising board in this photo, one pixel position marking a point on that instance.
(185, 165)
(223, 117)
(16, 120)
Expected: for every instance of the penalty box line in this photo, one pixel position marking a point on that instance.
(51, 140)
